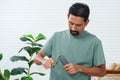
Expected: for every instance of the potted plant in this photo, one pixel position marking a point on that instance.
(6, 74)
(32, 47)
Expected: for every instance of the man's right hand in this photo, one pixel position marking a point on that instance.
(48, 63)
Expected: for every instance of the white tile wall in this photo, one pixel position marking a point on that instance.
(18, 17)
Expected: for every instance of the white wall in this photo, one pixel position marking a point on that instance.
(18, 17)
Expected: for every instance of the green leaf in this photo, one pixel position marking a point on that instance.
(30, 36)
(7, 74)
(36, 49)
(25, 39)
(39, 37)
(18, 70)
(20, 50)
(29, 50)
(30, 63)
(23, 78)
(36, 44)
(17, 79)
(18, 58)
(29, 78)
(1, 56)
(41, 74)
(1, 77)
(26, 78)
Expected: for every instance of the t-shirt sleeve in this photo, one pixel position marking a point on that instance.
(99, 57)
(47, 48)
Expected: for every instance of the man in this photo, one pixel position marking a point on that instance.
(82, 49)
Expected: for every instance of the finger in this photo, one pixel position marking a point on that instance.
(47, 64)
(70, 71)
(52, 63)
(66, 66)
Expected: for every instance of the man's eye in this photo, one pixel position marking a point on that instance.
(78, 25)
(71, 23)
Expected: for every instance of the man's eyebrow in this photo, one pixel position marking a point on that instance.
(74, 23)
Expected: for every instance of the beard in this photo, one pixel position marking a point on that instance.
(74, 33)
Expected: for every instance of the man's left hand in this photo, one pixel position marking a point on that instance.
(72, 68)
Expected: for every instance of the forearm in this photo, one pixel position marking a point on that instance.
(93, 71)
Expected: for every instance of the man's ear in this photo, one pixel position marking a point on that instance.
(86, 22)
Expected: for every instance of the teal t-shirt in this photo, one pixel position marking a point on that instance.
(84, 49)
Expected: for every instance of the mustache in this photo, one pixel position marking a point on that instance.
(74, 33)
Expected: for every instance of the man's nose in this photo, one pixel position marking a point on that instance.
(74, 27)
